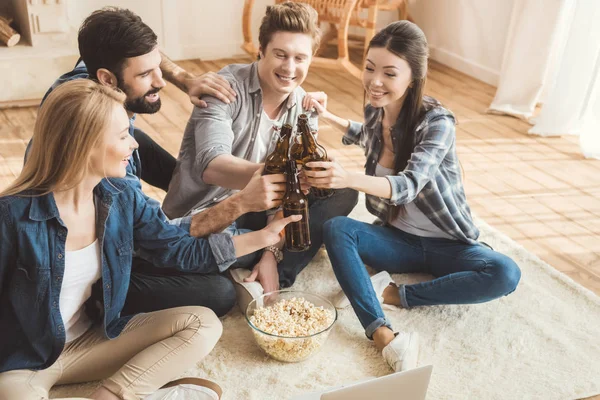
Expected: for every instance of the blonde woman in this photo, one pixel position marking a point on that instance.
(69, 225)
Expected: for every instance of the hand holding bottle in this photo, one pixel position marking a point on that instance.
(327, 174)
(272, 231)
(297, 234)
(268, 236)
(263, 192)
(313, 151)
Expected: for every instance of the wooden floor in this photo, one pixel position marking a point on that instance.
(539, 191)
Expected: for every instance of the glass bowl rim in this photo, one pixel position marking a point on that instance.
(335, 316)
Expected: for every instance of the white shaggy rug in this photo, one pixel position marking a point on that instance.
(541, 342)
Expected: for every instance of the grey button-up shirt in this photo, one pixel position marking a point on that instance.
(223, 129)
(432, 177)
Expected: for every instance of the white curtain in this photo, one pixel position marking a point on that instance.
(552, 56)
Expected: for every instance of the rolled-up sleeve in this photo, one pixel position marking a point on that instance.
(184, 223)
(223, 250)
(213, 133)
(353, 134)
(167, 245)
(221, 244)
(357, 133)
(424, 162)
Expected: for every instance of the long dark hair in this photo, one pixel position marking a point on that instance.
(407, 41)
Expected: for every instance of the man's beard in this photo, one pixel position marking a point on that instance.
(140, 105)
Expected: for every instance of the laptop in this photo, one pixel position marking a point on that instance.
(406, 385)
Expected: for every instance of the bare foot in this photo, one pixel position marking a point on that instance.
(383, 336)
(391, 295)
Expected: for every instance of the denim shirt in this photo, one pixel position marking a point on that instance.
(32, 265)
(134, 166)
(431, 179)
(221, 129)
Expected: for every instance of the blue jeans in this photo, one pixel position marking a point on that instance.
(320, 211)
(464, 273)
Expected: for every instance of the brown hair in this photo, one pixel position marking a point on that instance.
(111, 35)
(290, 17)
(407, 41)
(69, 125)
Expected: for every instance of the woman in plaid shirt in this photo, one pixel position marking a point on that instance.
(413, 183)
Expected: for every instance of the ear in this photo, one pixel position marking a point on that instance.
(106, 77)
(261, 55)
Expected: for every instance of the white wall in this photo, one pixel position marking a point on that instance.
(186, 29)
(467, 35)
(149, 10)
(208, 29)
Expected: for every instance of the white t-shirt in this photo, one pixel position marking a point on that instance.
(413, 221)
(264, 138)
(82, 270)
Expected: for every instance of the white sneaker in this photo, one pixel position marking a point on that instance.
(189, 389)
(245, 291)
(379, 281)
(402, 353)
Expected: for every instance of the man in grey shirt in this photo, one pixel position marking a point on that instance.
(225, 144)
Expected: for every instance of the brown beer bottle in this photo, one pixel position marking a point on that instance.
(297, 149)
(313, 151)
(276, 162)
(297, 234)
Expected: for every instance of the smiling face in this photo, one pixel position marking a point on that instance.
(386, 77)
(141, 80)
(284, 63)
(110, 159)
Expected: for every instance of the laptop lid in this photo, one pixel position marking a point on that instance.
(406, 385)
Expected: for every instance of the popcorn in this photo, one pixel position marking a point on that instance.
(294, 320)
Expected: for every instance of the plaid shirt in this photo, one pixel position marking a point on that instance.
(432, 178)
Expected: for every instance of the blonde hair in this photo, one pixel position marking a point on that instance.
(290, 17)
(69, 125)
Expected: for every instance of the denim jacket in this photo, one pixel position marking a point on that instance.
(32, 265)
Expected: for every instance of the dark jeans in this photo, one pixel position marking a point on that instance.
(464, 273)
(157, 163)
(153, 289)
(320, 211)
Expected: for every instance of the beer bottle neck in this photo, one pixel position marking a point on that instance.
(292, 181)
(308, 140)
(283, 144)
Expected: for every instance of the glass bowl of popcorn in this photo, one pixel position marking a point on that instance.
(290, 325)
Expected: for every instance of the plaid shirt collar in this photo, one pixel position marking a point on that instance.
(432, 177)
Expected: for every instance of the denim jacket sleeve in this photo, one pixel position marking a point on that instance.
(167, 245)
(436, 140)
(8, 247)
(213, 131)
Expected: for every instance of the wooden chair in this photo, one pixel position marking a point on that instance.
(339, 15)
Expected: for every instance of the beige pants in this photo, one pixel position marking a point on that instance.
(153, 349)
